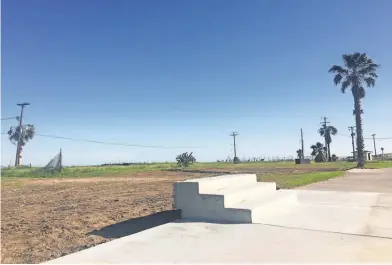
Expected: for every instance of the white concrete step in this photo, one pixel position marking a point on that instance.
(196, 198)
(212, 184)
(280, 202)
(234, 195)
(229, 198)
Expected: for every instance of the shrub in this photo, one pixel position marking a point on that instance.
(185, 159)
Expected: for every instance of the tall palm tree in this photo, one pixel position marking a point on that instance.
(326, 132)
(319, 152)
(358, 72)
(28, 132)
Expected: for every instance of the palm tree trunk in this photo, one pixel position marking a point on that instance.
(329, 153)
(358, 123)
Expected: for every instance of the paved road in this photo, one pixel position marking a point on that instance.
(365, 180)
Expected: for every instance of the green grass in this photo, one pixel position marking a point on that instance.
(279, 164)
(379, 164)
(85, 171)
(289, 181)
(101, 171)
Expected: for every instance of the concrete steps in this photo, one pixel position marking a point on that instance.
(230, 198)
(264, 206)
(234, 195)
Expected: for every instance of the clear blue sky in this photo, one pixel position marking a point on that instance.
(186, 73)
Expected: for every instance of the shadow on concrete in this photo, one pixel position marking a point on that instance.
(207, 221)
(137, 225)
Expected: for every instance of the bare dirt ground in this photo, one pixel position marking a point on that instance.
(48, 218)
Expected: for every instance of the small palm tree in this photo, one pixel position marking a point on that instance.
(319, 152)
(358, 71)
(28, 132)
(299, 153)
(185, 159)
(326, 132)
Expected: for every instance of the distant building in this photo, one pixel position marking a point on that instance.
(367, 154)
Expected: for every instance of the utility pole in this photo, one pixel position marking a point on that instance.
(61, 160)
(22, 105)
(382, 153)
(374, 144)
(302, 145)
(324, 124)
(234, 134)
(351, 128)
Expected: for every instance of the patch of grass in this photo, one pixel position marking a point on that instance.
(378, 164)
(11, 184)
(279, 164)
(289, 181)
(86, 171)
(102, 171)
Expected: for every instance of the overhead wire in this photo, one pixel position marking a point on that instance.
(113, 143)
(367, 138)
(9, 118)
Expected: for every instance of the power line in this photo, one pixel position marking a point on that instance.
(366, 138)
(10, 118)
(111, 143)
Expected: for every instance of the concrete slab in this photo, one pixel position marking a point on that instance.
(191, 242)
(365, 180)
(339, 218)
(314, 227)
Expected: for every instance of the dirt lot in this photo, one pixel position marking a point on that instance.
(42, 219)
(47, 218)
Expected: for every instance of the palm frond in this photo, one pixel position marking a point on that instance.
(332, 130)
(319, 145)
(345, 84)
(338, 70)
(27, 133)
(337, 79)
(368, 69)
(370, 81)
(321, 131)
(374, 75)
(349, 60)
(361, 57)
(356, 56)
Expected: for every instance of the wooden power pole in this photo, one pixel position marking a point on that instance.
(302, 145)
(17, 158)
(234, 134)
(374, 144)
(351, 128)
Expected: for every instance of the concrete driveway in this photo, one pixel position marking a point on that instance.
(362, 180)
